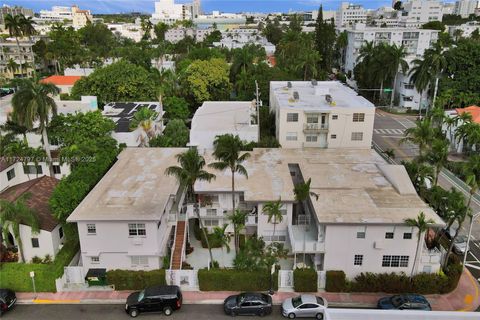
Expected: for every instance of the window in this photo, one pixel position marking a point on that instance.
(358, 260)
(136, 229)
(358, 117)
(210, 222)
(35, 243)
(388, 235)
(91, 228)
(311, 138)
(408, 86)
(361, 231)
(395, 261)
(56, 169)
(335, 117)
(31, 169)
(357, 136)
(211, 212)
(11, 174)
(407, 235)
(283, 212)
(333, 136)
(277, 238)
(291, 136)
(60, 232)
(312, 119)
(95, 260)
(292, 117)
(139, 261)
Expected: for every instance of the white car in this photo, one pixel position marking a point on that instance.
(460, 245)
(304, 306)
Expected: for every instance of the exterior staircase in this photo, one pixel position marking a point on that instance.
(178, 246)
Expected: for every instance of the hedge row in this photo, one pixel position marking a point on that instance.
(233, 280)
(424, 283)
(16, 276)
(305, 280)
(135, 280)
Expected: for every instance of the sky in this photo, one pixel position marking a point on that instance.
(147, 6)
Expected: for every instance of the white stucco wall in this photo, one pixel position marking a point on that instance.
(48, 242)
(21, 177)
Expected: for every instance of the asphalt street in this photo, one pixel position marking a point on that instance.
(117, 312)
(388, 131)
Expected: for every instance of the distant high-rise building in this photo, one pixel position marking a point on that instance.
(465, 8)
(196, 8)
(167, 11)
(418, 12)
(350, 14)
(15, 10)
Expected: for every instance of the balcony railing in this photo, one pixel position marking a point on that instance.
(303, 241)
(315, 127)
(252, 220)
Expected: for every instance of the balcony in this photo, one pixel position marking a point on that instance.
(252, 220)
(304, 239)
(315, 127)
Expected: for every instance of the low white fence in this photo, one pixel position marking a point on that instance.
(285, 280)
(185, 279)
(321, 279)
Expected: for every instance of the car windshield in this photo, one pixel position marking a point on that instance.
(397, 301)
(296, 301)
(240, 298)
(461, 239)
(320, 301)
(141, 295)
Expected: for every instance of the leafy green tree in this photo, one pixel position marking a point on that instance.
(273, 31)
(422, 224)
(144, 118)
(308, 63)
(438, 156)
(394, 64)
(33, 102)
(160, 29)
(220, 236)
(302, 193)
(228, 151)
(434, 25)
(273, 210)
(120, 81)
(296, 22)
(176, 108)
(139, 54)
(419, 174)
(64, 48)
(208, 80)
(189, 171)
(422, 135)
(13, 214)
(237, 218)
(420, 76)
(147, 27)
(98, 41)
(214, 36)
(175, 135)
(325, 37)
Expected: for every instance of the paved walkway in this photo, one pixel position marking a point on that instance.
(464, 298)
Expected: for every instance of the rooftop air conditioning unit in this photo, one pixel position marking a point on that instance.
(296, 96)
(328, 98)
(289, 84)
(314, 82)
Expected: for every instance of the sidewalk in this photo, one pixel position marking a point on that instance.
(464, 298)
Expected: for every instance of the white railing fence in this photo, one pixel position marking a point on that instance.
(185, 279)
(285, 280)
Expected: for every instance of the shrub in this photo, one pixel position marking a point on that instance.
(135, 280)
(234, 280)
(305, 280)
(336, 281)
(381, 282)
(36, 259)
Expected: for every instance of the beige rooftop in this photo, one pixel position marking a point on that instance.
(354, 186)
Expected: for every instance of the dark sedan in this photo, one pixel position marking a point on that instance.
(249, 303)
(405, 302)
(7, 300)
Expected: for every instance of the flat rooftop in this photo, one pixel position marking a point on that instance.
(313, 97)
(122, 112)
(135, 188)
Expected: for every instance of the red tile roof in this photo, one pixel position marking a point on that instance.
(473, 110)
(61, 80)
(39, 190)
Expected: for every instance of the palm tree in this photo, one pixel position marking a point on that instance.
(421, 223)
(460, 217)
(308, 62)
(273, 210)
(422, 135)
(12, 66)
(144, 118)
(34, 102)
(419, 174)
(28, 29)
(237, 218)
(437, 63)
(420, 76)
(13, 24)
(469, 133)
(242, 59)
(438, 156)
(12, 214)
(189, 172)
(394, 64)
(302, 193)
(222, 238)
(228, 151)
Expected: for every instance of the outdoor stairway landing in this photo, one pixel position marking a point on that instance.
(178, 247)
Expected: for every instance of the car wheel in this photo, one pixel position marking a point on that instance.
(319, 316)
(261, 313)
(133, 313)
(233, 313)
(291, 315)
(167, 311)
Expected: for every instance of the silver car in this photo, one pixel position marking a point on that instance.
(304, 306)
(460, 245)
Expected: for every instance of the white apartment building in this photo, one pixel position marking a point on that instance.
(174, 35)
(169, 12)
(349, 14)
(418, 12)
(222, 20)
(230, 117)
(238, 38)
(408, 96)
(448, 8)
(465, 8)
(9, 50)
(356, 225)
(127, 30)
(324, 114)
(467, 29)
(57, 14)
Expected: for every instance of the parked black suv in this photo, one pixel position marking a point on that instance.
(154, 299)
(7, 300)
